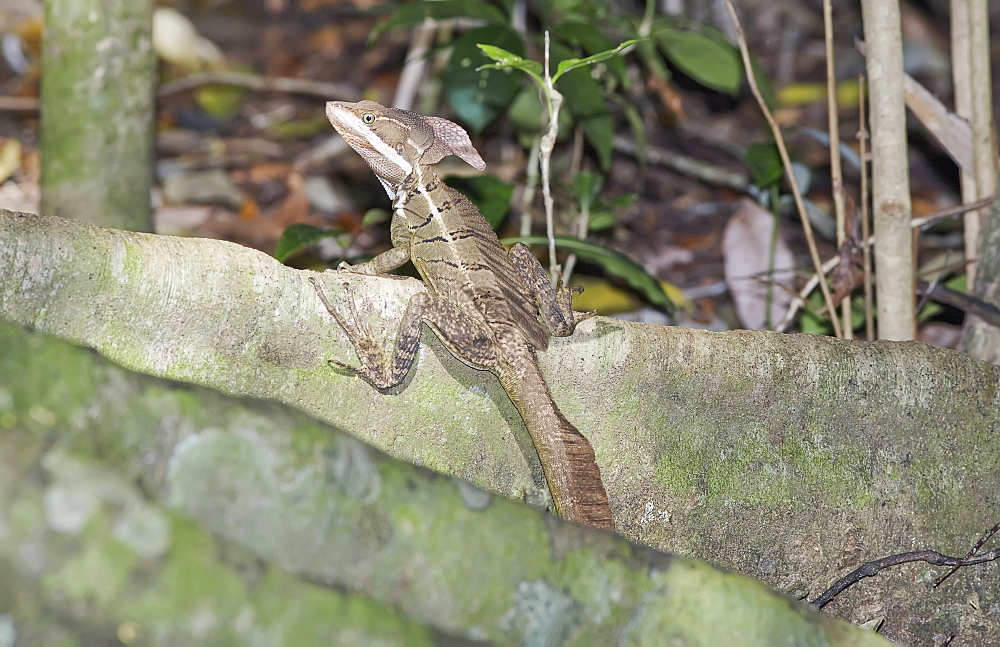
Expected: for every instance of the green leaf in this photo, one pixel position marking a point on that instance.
(584, 98)
(601, 219)
(709, 61)
(604, 214)
(414, 13)
(221, 101)
(477, 91)
(599, 130)
(574, 63)
(526, 111)
(764, 84)
(614, 263)
(374, 217)
(507, 59)
(298, 237)
(585, 187)
(590, 39)
(958, 283)
(764, 163)
(491, 194)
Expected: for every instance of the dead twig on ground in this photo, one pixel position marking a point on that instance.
(868, 569)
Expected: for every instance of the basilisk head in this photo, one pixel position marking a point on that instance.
(392, 140)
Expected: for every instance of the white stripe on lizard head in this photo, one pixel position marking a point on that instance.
(351, 126)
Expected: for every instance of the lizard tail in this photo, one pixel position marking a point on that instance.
(566, 455)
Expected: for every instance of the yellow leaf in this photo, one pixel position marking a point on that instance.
(798, 94)
(10, 158)
(609, 299)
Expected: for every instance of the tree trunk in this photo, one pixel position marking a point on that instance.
(135, 507)
(99, 70)
(979, 338)
(890, 170)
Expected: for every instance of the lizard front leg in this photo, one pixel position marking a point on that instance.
(389, 259)
(459, 332)
(555, 304)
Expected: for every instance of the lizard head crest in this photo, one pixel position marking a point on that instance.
(392, 140)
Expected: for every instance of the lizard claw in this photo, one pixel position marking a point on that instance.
(374, 368)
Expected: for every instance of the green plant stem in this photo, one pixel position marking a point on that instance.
(530, 186)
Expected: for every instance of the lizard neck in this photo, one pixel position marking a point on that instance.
(435, 213)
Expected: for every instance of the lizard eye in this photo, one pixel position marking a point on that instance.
(368, 118)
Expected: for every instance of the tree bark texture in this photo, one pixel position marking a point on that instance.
(136, 507)
(789, 458)
(980, 338)
(890, 170)
(99, 70)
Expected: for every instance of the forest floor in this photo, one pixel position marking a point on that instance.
(244, 165)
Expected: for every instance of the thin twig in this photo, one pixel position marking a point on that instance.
(415, 67)
(950, 212)
(979, 544)
(689, 166)
(787, 163)
(868, 569)
(866, 248)
(261, 84)
(530, 185)
(19, 104)
(836, 175)
(967, 303)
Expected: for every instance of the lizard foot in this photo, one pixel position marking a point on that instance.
(564, 301)
(374, 366)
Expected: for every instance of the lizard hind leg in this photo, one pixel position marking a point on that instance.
(464, 336)
(555, 304)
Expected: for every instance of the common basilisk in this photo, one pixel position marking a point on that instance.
(482, 301)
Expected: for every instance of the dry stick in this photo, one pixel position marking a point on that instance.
(582, 218)
(831, 263)
(961, 79)
(984, 160)
(890, 174)
(868, 569)
(970, 305)
(689, 166)
(19, 104)
(261, 84)
(866, 248)
(530, 186)
(979, 544)
(415, 66)
(787, 163)
(950, 212)
(836, 175)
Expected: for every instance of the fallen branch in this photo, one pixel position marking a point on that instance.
(868, 569)
(979, 544)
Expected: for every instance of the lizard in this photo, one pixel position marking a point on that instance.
(483, 301)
